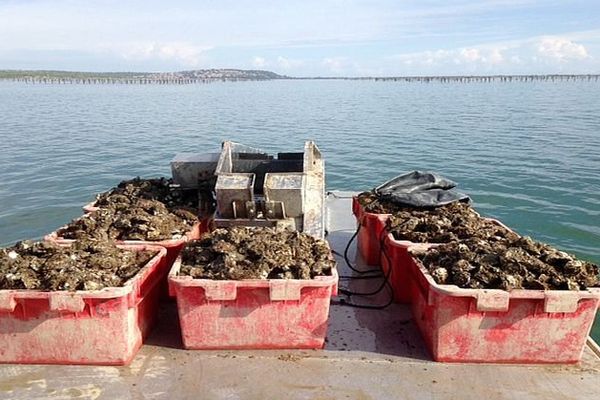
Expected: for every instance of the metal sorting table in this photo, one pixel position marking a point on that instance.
(369, 354)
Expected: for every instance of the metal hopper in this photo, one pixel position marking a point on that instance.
(254, 188)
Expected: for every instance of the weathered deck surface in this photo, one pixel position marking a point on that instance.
(369, 355)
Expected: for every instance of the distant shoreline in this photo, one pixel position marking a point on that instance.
(236, 75)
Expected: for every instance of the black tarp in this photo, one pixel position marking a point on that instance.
(420, 189)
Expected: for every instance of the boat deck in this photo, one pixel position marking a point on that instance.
(369, 354)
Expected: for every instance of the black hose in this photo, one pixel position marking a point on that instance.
(348, 263)
(385, 276)
(365, 274)
(343, 302)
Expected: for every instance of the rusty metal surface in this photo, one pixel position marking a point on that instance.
(369, 354)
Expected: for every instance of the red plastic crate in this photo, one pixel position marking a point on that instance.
(394, 263)
(252, 314)
(370, 234)
(90, 207)
(101, 327)
(496, 326)
(395, 253)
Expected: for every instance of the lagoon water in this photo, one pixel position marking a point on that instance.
(528, 153)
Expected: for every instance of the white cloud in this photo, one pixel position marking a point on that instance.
(463, 56)
(561, 49)
(515, 59)
(470, 55)
(483, 56)
(540, 54)
(288, 63)
(495, 57)
(335, 64)
(185, 54)
(433, 57)
(259, 62)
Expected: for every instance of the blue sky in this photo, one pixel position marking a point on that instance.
(304, 38)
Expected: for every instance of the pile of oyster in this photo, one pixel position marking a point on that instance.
(256, 253)
(456, 221)
(141, 220)
(507, 263)
(85, 265)
(158, 189)
(478, 253)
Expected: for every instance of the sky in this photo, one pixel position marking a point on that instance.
(304, 38)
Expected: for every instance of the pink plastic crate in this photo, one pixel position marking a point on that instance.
(102, 327)
(252, 314)
(370, 234)
(90, 207)
(496, 326)
(394, 263)
(395, 253)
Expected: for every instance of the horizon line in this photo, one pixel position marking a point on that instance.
(280, 76)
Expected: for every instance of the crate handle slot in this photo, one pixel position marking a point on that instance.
(561, 302)
(7, 302)
(285, 290)
(62, 302)
(492, 300)
(220, 290)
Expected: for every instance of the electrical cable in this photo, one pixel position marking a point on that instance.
(385, 276)
(366, 274)
(348, 277)
(343, 302)
(385, 284)
(337, 253)
(348, 263)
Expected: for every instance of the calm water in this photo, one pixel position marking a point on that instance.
(527, 153)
